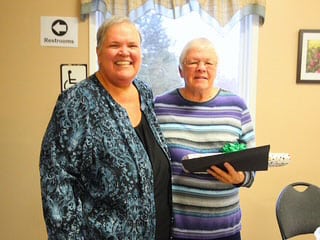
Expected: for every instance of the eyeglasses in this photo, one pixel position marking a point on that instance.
(196, 63)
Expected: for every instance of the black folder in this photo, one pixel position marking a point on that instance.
(251, 159)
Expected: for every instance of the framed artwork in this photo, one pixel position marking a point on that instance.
(308, 66)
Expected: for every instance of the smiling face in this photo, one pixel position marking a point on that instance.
(199, 68)
(119, 56)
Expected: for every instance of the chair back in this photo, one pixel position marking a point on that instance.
(298, 212)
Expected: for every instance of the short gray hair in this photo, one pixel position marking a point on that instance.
(101, 34)
(194, 43)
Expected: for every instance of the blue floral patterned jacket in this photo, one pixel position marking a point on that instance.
(96, 178)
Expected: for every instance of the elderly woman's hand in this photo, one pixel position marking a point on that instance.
(230, 176)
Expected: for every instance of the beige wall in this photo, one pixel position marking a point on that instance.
(287, 113)
(29, 87)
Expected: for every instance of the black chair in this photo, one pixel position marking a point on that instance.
(298, 211)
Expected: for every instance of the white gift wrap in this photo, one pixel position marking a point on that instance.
(278, 159)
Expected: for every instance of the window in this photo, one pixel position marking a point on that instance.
(164, 38)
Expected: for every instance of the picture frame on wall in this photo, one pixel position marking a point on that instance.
(308, 66)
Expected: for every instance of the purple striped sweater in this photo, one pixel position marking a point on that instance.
(203, 207)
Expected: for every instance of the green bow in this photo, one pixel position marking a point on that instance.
(233, 147)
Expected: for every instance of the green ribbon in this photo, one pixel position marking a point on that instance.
(233, 147)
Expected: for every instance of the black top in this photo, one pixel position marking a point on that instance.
(161, 173)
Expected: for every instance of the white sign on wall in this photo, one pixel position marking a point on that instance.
(59, 31)
(71, 74)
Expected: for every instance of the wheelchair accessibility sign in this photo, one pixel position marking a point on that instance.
(71, 74)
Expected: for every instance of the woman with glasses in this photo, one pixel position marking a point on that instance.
(200, 118)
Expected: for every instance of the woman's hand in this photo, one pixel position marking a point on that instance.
(230, 176)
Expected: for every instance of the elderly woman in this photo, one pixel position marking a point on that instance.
(104, 164)
(201, 118)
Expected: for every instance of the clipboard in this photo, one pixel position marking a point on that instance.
(251, 159)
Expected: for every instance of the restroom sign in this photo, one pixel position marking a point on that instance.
(59, 32)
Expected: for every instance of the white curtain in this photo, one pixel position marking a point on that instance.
(224, 12)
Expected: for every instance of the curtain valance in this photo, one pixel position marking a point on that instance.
(223, 11)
